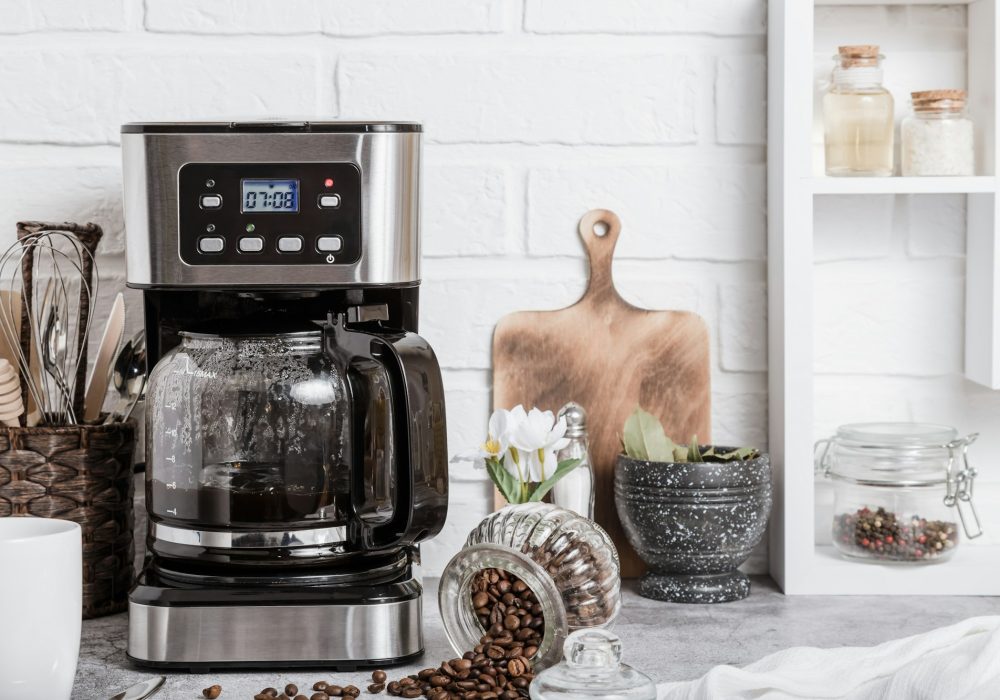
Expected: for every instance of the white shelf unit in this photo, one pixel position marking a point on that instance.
(797, 563)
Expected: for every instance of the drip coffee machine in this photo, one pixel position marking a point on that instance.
(295, 426)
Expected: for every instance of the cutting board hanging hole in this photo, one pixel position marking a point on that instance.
(599, 230)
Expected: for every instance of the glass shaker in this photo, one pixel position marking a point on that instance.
(575, 491)
(592, 669)
(858, 118)
(938, 139)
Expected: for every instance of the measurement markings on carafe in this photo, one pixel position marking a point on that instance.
(269, 213)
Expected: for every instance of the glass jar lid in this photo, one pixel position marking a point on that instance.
(903, 435)
(891, 454)
(592, 668)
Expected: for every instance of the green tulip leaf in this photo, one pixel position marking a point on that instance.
(564, 467)
(508, 484)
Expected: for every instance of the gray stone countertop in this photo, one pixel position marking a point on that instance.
(667, 641)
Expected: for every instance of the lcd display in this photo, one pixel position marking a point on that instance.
(264, 195)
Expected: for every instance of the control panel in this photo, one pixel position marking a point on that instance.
(269, 213)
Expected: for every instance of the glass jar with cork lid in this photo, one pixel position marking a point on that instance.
(858, 119)
(938, 138)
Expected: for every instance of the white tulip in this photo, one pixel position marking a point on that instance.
(496, 445)
(537, 436)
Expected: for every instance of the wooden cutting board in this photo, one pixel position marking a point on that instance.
(609, 356)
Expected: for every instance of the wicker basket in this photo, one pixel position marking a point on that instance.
(81, 473)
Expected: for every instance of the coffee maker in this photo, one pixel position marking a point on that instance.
(295, 424)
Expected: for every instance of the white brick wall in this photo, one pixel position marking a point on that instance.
(535, 111)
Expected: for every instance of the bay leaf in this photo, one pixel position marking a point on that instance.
(644, 438)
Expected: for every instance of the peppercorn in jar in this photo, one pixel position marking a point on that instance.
(902, 491)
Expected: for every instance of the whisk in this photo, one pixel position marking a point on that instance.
(47, 269)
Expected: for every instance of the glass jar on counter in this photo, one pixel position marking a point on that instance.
(558, 572)
(858, 117)
(937, 139)
(901, 491)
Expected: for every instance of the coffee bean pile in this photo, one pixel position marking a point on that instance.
(496, 669)
(881, 534)
(504, 603)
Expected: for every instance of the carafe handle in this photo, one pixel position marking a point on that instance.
(418, 428)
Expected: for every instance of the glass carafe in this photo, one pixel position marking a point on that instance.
(248, 432)
(295, 448)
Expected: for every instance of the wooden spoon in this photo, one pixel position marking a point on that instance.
(11, 405)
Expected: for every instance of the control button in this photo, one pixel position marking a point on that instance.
(252, 244)
(329, 244)
(210, 201)
(211, 244)
(290, 244)
(329, 201)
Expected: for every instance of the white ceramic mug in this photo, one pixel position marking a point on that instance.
(41, 588)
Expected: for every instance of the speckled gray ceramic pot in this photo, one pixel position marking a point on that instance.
(693, 524)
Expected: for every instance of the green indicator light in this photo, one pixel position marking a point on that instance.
(250, 228)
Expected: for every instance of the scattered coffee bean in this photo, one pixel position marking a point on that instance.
(271, 692)
(319, 696)
(291, 690)
(212, 692)
(350, 691)
(334, 691)
(379, 676)
(376, 688)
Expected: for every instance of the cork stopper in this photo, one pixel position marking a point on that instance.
(858, 55)
(938, 100)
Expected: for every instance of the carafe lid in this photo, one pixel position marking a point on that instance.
(592, 668)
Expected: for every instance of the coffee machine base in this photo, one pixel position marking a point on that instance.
(342, 628)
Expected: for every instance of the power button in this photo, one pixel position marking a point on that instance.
(210, 201)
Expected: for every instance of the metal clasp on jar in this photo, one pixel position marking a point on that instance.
(960, 484)
(822, 465)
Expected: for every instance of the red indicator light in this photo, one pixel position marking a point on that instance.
(328, 182)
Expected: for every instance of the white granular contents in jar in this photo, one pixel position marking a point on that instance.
(937, 147)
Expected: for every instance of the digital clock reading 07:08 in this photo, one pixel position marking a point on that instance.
(270, 195)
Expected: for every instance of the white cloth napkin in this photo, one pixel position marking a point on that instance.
(951, 663)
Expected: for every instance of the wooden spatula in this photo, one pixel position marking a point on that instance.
(97, 389)
(609, 356)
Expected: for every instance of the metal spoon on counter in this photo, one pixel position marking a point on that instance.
(141, 691)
